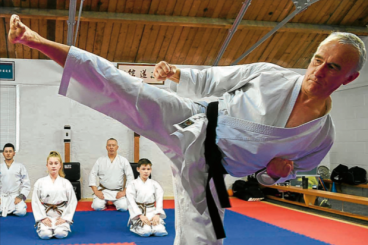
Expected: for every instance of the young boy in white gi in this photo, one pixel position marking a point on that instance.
(15, 184)
(53, 201)
(146, 218)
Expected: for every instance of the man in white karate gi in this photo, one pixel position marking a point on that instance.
(110, 171)
(15, 185)
(269, 118)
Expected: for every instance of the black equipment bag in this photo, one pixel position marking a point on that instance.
(247, 190)
(338, 173)
(355, 176)
(72, 171)
(77, 189)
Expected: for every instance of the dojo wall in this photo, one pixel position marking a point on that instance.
(350, 115)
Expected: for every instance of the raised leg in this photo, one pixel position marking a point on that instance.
(20, 33)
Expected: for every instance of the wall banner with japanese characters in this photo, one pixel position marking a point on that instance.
(141, 71)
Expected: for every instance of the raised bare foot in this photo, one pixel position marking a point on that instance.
(20, 33)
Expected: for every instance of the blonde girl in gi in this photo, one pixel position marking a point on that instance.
(146, 218)
(53, 201)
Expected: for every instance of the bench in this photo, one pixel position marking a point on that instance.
(328, 181)
(310, 196)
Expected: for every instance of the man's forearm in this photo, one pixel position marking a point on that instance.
(94, 189)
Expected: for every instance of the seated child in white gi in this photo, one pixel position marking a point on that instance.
(53, 201)
(15, 184)
(146, 219)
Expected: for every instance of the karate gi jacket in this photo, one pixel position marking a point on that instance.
(111, 175)
(46, 191)
(14, 181)
(146, 193)
(256, 103)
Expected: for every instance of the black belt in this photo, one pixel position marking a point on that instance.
(215, 171)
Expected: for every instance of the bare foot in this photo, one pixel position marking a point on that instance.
(20, 33)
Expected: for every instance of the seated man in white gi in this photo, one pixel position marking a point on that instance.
(110, 171)
(268, 118)
(146, 218)
(15, 184)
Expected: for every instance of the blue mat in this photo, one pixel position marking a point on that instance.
(110, 227)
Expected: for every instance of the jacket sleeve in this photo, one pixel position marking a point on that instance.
(215, 81)
(134, 210)
(128, 172)
(25, 182)
(305, 163)
(92, 179)
(72, 202)
(38, 209)
(159, 195)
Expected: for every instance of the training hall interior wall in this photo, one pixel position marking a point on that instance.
(350, 115)
(43, 114)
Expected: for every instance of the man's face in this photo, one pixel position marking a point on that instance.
(333, 65)
(112, 147)
(8, 153)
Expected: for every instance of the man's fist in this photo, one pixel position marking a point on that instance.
(279, 167)
(164, 70)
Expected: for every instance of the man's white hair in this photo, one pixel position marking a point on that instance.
(351, 39)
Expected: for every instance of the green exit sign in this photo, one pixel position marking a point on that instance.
(7, 70)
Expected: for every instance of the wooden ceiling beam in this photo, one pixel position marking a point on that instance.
(92, 16)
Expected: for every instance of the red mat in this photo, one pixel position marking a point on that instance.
(326, 230)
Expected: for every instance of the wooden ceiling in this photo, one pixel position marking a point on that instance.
(188, 32)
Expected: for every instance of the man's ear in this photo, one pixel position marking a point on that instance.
(352, 77)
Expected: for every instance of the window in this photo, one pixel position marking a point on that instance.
(9, 119)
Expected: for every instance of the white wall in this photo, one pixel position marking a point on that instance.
(350, 115)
